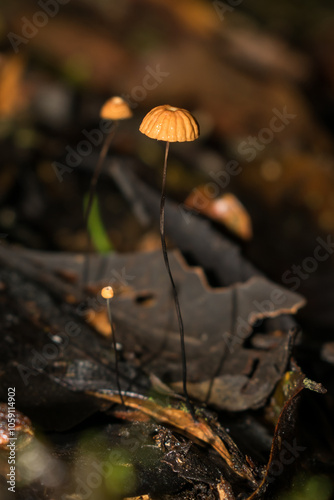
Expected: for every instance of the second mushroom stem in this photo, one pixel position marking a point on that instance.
(97, 172)
(91, 195)
(118, 383)
(175, 295)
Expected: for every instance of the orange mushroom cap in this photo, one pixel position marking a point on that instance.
(107, 292)
(115, 108)
(170, 124)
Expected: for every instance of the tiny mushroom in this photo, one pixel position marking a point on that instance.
(170, 124)
(107, 293)
(114, 109)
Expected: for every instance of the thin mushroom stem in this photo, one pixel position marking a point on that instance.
(175, 295)
(97, 172)
(92, 191)
(115, 350)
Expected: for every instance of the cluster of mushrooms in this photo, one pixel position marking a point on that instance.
(164, 123)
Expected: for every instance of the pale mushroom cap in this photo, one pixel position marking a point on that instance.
(115, 109)
(170, 124)
(107, 292)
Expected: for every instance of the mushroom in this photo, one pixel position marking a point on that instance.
(170, 124)
(107, 293)
(114, 109)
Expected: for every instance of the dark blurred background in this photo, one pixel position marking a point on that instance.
(257, 75)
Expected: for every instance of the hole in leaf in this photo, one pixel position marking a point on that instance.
(145, 299)
(254, 367)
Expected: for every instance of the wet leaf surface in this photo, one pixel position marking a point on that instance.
(218, 323)
(64, 370)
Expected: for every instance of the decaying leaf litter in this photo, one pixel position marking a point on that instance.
(45, 289)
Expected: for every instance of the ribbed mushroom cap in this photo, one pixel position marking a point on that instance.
(167, 123)
(115, 109)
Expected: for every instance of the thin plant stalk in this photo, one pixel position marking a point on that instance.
(115, 350)
(92, 192)
(97, 172)
(175, 295)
